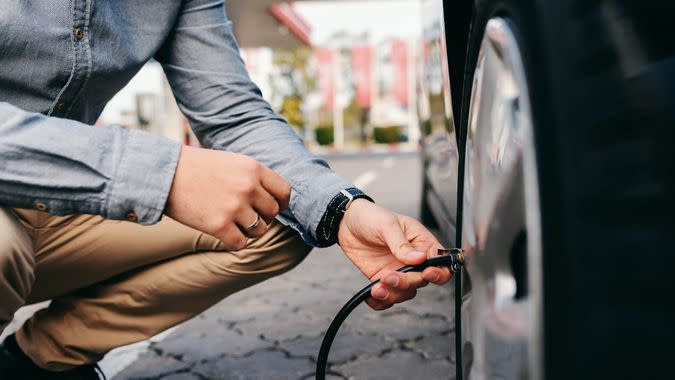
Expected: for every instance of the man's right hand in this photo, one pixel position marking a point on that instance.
(220, 193)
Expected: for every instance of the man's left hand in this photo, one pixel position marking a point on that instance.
(378, 242)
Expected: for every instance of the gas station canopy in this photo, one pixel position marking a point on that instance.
(269, 23)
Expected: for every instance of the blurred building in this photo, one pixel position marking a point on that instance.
(321, 64)
(268, 23)
(146, 103)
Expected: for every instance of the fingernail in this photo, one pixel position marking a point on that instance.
(435, 277)
(391, 280)
(416, 255)
(380, 293)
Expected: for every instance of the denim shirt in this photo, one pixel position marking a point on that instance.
(62, 60)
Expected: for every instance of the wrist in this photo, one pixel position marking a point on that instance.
(182, 171)
(352, 210)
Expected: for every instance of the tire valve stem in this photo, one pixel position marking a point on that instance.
(456, 258)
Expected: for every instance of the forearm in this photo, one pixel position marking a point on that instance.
(226, 111)
(72, 167)
(236, 118)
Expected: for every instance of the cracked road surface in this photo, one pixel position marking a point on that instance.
(273, 330)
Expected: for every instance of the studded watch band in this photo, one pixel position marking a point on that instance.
(327, 230)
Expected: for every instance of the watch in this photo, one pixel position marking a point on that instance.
(327, 231)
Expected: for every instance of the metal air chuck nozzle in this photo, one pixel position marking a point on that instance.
(456, 258)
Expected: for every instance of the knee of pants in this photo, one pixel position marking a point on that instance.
(273, 259)
(299, 250)
(264, 258)
(196, 281)
(17, 265)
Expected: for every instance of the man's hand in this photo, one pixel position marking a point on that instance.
(378, 242)
(220, 193)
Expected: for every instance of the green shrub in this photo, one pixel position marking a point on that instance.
(387, 135)
(449, 125)
(325, 134)
(291, 110)
(426, 127)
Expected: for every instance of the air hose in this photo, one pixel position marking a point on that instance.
(451, 258)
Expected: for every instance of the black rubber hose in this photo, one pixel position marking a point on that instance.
(362, 295)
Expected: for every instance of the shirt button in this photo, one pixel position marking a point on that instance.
(41, 206)
(79, 33)
(60, 106)
(131, 216)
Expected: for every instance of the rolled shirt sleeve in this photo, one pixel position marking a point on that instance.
(226, 111)
(67, 167)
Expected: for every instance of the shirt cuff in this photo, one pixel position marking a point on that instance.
(143, 178)
(327, 232)
(309, 202)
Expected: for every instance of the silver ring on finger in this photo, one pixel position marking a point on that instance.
(253, 224)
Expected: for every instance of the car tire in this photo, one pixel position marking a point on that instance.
(603, 108)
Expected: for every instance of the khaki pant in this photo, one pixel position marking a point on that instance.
(113, 283)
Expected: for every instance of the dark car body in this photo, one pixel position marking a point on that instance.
(499, 336)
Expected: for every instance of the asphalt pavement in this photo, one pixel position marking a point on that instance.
(273, 330)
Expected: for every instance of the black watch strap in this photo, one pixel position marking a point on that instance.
(327, 231)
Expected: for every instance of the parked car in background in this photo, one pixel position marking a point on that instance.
(546, 132)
